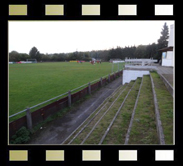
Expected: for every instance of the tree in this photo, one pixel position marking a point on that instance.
(163, 40)
(24, 56)
(45, 57)
(140, 51)
(14, 56)
(35, 54)
(86, 56)
(151, 51)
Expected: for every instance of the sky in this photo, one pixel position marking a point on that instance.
(70, 36)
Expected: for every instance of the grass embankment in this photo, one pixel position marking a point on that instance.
(102, 125)
(30, 84)
(143, 129)
(119, 129)
(165, 104)
(95, 115)
(99, 131)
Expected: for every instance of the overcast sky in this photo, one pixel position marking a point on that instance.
(70, 36)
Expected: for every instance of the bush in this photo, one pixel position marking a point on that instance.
(22, 136)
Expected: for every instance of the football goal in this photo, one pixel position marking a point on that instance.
(31, 60)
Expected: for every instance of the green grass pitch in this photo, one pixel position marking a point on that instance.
(31, 84)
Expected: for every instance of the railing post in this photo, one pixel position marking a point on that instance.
(112, 67)
(69, 98)
(89, 88)
(101, 81)
(29, 119)
(109, 77)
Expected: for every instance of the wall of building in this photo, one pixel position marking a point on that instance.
(171, 38)
(129, 75)
(168, 60)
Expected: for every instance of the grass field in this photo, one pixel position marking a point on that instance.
(31, 84)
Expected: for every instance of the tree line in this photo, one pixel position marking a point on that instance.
(141, 51)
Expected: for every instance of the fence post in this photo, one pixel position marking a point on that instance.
(89, 88)
(69, 98)
(112, 67)
(101, 81)
(109, 77)
(29, 119)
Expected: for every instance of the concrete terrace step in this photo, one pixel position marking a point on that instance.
(143, 130)
(165, 106)
(101, 112)
(119, 128)
(153, 118)
(128, 116)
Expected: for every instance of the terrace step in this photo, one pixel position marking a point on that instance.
(119, 128)
(153, 119)
(104, 107)
(128, 116)
(96, 114)
(165, 107)
(143, 129)
(101, 118)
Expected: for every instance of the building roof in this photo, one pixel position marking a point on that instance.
(166, 49)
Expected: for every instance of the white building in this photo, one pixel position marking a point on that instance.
(168, 53)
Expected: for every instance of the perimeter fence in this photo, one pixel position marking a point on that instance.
(32, 118)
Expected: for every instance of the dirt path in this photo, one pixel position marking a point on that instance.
(58, 130)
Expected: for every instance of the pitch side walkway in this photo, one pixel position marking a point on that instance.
(167, 72)
(58, 130)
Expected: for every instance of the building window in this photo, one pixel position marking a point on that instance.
(164, 55)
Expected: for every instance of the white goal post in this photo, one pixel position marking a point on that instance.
(31, 60)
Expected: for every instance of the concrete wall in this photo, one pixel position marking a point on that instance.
(129, 75)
